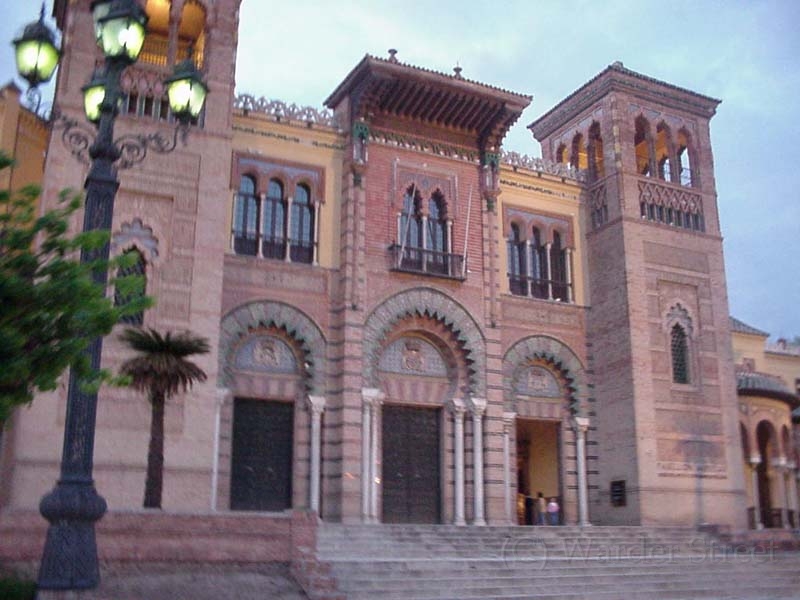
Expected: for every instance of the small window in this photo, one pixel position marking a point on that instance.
(680, 355)
(120, 299)
(618, 494)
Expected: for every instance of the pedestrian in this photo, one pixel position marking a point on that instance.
(541, 509)
(552, 511)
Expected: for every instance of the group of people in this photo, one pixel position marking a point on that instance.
(541, 511)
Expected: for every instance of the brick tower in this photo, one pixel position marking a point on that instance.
(657, 329)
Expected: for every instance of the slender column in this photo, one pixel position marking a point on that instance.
(315, 259)
(780, 468)
(260, 226)
(374, 470)
(458, 408)
(529, 266)
(581, 426)
(478, 408)
(366, 410)
(222, 396)
(288, 241)
(317, 406)
(568, 268)
(549, 270)
(792, 490)
(755, 460)
(425, 242)
(449, 223)
(508, 422)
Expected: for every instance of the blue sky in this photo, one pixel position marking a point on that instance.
(745, 53)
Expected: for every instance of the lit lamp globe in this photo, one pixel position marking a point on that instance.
(94, 93)
(186, 91)
(36, 52)
(120, 28)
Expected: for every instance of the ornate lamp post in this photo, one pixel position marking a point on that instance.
(69, 560)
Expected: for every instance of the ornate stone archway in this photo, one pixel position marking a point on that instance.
(430, 303)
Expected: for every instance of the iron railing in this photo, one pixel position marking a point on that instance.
(427, 262)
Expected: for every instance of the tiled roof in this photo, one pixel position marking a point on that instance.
(742, 327)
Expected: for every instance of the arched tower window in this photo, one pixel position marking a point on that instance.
(245, 218)
(578, 158)
(517, 265)
(302, 222)
(273, 244)
(168, 42)
(687, 177)
(663, 151)
(642, 143)
(562, 155)
(138, 269)
(595, 152)
(679, 348)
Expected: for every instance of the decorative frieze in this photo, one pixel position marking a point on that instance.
(282, 112)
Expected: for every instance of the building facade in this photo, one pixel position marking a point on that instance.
(409, 323)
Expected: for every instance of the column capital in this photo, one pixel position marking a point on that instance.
(779, 462)
(508, 420)
(477, 406)
(580, 424)
(316, 404)
(372, 396)
(458, 407)
(791, 465)
(755, 460)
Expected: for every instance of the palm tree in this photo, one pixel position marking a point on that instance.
(160, 368)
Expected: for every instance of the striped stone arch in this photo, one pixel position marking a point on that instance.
(240, 322)
(426, 302)
(557, 356)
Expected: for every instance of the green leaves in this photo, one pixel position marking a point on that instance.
(50, 304)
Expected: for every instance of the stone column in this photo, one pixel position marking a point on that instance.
(755, 460)
(508, 422)
(780, 471)
(458, 408)
(426, 244)
(581, 426)
(529, 266)
(568, 268)
(315, 259)
(259, 227)
(792, 473)
(548, 269)
(222, 396)
(372, 399)
(317, 406)
(478, 408)
(288, 240)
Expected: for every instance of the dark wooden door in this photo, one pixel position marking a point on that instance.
(261, 461)
(411, 455)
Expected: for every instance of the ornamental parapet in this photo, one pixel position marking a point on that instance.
(540, 165)
(282, 112)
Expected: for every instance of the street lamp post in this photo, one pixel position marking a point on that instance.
(69, 560)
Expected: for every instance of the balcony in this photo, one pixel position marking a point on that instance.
(545, 289)
(427, 262)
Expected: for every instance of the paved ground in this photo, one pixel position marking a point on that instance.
(187, 582)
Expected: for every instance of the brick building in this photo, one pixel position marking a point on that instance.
(409, 323)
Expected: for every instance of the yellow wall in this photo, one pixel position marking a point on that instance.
(23, 136)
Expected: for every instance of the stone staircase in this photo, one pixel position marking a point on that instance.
(418, 562)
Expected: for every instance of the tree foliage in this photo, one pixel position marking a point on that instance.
(161, 369)
(51, 307)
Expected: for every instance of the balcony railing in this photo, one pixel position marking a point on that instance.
(547, 289)
(247, 243)
(427, 262)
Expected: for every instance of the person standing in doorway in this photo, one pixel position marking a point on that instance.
(541, 509)
(552, 511)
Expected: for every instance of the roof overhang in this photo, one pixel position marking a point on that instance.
(404, 92)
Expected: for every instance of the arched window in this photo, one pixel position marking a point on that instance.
(302, 222)
(641, 142)
(684, 159)
(578, 158)
(663, 151)
(273, 244)
(517, 265)
(538, 265)
(245, 218)
(167, 43)
(562, 156)
(679, 348)
(595, 151)
(411, 233)
(558, 268)
(437, 240)
(136, 269)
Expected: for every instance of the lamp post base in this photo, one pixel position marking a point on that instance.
(69, 561)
